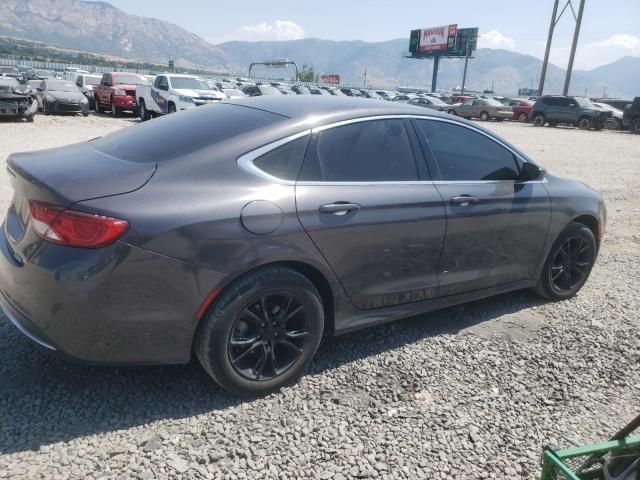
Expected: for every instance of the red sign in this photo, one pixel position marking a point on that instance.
(330, 79)
(437, 38)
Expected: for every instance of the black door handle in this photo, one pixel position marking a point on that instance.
(339, 208)
(464, 200)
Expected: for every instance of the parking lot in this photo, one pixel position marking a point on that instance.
(473, 391)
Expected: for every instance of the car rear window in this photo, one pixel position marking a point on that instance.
(182, 133)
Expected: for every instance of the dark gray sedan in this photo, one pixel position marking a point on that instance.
(248, 230)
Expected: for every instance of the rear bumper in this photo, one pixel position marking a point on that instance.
(115, 305)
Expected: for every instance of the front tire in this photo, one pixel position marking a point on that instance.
(262, 331)
(115, 111)
(568, 264)
(634, 126)
(484, 116)
(585, 123)
(98, 107)
(172, 108)
(522, 118)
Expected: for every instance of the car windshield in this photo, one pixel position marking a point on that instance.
(584, 102)
(61, 86)
(268, 90)
(92, 80)
(189, 83)
(131, 79)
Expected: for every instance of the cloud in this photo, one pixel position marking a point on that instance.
(495, 39)
(628, 42)
(594, 54)
(278, 30)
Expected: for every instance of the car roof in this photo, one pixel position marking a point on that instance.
(315, 109)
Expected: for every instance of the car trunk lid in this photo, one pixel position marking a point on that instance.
(63, 177)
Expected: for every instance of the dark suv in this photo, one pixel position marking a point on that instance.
(578, 111)
(631, 116)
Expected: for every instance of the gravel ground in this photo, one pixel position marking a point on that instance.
(473, 391)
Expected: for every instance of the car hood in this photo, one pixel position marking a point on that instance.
(75, 96)
(199, 93)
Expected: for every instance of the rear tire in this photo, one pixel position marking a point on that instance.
(453, 112)
(144, 113)
(568, 264)
(30, 118)
(539, 120)
(634, 126)
(246, 333)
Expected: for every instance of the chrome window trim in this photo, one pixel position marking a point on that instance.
(246, 161)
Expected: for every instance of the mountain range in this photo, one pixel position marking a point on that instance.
(102, 28)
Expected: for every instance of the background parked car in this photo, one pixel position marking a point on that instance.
(618, 103)
(484, 109)
(233, 93)
(258, 90)
(86, 82)
(13, 72)
(521, 109)
(61, 96)
(15, 100)
(117, 92)
(577, 111)
(333, 91)
(615, 122)
(430, 102)
(631, 116)
(301, 90)
(318, 91)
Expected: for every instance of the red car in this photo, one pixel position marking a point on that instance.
(117, 92)
(521, 109)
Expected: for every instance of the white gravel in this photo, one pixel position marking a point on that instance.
(470, 392)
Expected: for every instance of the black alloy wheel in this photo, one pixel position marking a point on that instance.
(262, 331)
(571, 264)
(568, 264)
(269, 336)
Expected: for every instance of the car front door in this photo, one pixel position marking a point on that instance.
(496, 224)
(467, 109)
(365, 199)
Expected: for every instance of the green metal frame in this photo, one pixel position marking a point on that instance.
(553, 460)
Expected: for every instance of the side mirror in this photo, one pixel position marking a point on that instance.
(572, 105)
(531, 172)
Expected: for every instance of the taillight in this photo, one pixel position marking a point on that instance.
(74, 229)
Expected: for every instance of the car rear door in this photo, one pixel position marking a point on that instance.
(365, 199)
(496, 224)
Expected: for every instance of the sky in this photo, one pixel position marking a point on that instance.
(610, 28)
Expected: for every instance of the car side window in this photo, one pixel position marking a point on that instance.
(369, 151)
(284, 162)
(157, 81)
(465, 155)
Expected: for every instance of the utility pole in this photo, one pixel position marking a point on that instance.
(576, 32)
(466, 62)
(434, 76)
(552, 25)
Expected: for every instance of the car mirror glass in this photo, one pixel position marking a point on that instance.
(572, 105)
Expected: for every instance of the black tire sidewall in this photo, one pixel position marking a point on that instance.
(214, 331)
(542, 122)
(545, 286)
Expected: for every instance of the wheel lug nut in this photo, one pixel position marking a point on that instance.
(264, 324)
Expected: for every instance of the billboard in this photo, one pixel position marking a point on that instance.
(437, 38)
(330, 79)
(446, 40)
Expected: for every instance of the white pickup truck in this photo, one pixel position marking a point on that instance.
(172, 93)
